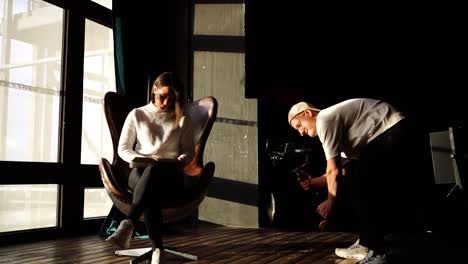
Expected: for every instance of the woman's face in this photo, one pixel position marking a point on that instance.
(164, 98)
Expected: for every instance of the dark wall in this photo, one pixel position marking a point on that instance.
(407, 52)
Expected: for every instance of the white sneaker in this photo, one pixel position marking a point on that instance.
(123, 234)
(158, 256)
(373, 258)
(355, 251)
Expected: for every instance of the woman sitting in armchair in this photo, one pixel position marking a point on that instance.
(157, 142)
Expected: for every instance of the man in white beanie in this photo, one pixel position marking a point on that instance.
(374, 135)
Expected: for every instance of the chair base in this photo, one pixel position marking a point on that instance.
(143, 254)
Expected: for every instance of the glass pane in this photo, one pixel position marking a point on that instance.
(30, 77)
(99, 78)
(28, 206)
(104, 3)
(97, 203)
(219, 19)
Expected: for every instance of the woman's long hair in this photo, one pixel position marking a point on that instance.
(170, 80)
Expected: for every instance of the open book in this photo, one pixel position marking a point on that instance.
(139, 162)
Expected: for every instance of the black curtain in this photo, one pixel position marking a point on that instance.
(144, 44)
(132, 51)
(119, 48)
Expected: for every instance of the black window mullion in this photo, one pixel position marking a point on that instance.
(98, 13)
(71, 193)
(30, 173)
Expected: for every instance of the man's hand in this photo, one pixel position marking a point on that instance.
(325, 207)
(305, 182)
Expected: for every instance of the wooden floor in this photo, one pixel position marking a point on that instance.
(219, 244)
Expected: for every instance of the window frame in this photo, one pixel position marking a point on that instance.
(71, 176)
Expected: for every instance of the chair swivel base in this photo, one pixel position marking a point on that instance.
(143, 254)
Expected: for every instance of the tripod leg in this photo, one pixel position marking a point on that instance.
(451, 191)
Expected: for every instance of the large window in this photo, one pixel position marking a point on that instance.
(44, 144)
(27, 206)
(99, 78)
(30, 75)
(96, 203)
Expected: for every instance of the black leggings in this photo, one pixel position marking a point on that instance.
(149, 193)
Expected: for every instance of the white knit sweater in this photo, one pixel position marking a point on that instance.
(150, 131)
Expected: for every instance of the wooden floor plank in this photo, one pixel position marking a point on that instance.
(241, 251)
(219, 245)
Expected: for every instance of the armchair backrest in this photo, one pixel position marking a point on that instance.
(116, 109)
(203, 114)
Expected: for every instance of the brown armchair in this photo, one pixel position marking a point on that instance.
(114, 174)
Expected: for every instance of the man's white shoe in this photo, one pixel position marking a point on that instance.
(158, 256)
(372, 258)
(123, 234)
(355, 251)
